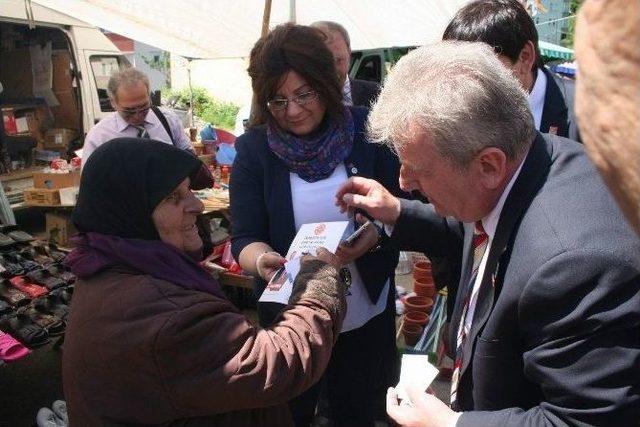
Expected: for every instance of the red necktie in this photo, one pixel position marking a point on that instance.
(480, 243)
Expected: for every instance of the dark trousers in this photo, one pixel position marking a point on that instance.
(364, 363)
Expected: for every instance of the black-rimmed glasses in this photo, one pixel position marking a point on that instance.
(280, 104)
(130, 112)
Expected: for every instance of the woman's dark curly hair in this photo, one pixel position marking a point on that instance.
(301, 49)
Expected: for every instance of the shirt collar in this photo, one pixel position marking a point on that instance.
(490, 222)
(121, 124)
(346, 92)
(536, 97)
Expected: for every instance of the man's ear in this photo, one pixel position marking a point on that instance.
(526, 59)
(113, 103)
(491, 167)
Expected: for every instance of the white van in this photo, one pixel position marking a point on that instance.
(82, 58)
(54, 71)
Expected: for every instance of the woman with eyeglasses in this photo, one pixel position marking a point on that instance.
(302, 144)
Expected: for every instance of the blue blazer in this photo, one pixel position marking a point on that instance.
(260, 198)
(558, 109)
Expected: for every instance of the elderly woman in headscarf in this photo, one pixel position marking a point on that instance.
(151, 338)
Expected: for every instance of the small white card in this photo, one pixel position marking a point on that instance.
(415, 371)
(280, 286)
(310, 237)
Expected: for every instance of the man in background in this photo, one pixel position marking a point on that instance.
(354, 92)
(506, 26)
(134, 116)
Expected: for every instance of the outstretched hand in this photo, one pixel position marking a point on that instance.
(371, 196)
(425, 410)
(268, 263)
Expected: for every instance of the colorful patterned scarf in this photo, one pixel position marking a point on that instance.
(314, 158)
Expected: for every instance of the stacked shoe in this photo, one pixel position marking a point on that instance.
(57, 416)
(36, 290)
(11, 349)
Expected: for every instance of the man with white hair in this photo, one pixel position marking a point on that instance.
(546, 325)
(134, 116)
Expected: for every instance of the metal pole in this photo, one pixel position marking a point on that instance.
(555, 20)
(292, 11)
(266, 17)
(190, 92)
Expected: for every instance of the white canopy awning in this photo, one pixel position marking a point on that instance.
(229, 28)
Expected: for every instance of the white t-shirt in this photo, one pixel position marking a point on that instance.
(314, 202)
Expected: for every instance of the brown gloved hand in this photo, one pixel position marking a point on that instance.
(320, 280)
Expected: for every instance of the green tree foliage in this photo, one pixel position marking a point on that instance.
(160, 63)
(219, 113)
(571, 28)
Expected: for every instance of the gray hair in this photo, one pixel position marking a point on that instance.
(127, 77)
(328, 28)
(461, 96)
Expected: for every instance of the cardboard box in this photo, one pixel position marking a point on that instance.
(59, 138)
(59, 227)
(69, 196)
(66, 115)
(61, 70)
(41, 197)
(21, 125)
(38, 120)
(56, 180)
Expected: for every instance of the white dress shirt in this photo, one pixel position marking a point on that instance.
(536, 97)
(490, 224)
(114, 126)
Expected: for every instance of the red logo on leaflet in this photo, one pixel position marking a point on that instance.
(320, 229)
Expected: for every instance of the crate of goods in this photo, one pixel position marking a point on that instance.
(56, 180)
(59, 228)
(226, 278)
(59, 138)
(41, 197)
(48, 155)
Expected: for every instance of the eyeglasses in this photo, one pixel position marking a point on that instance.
(130, 112)
(280, 104)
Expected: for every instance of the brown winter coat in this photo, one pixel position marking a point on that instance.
(139, 350)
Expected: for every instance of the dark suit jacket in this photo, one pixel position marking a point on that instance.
(555, 338)
(558, 107)
(363, 92)
(261, 206)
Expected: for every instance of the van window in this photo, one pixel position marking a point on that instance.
(370, 69)
(103, 67)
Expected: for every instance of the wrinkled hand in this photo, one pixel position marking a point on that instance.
(369, 195)
(319, 279)
(268, 263)
(323, 254)
(361, 246)
(425, 409)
